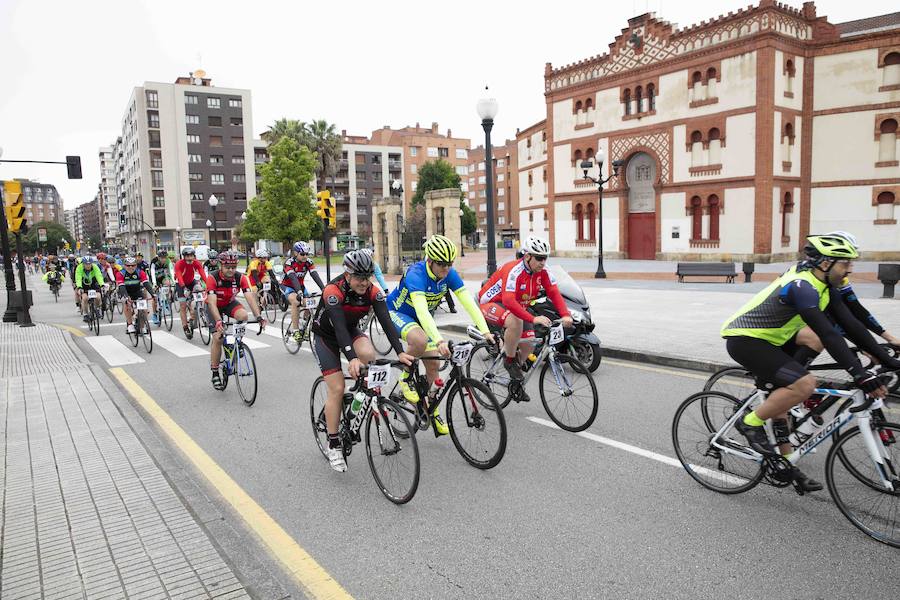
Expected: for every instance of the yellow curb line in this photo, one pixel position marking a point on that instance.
(73, 330)
(308, 573)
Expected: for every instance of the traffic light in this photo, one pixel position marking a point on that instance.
(73, 164)
(326, 210)
(14, 207)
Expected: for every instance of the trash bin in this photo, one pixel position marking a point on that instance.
(507, 244)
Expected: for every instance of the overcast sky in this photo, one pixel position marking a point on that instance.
(68, 66)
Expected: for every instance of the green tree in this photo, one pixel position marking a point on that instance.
(253, 228)
(56, 233)
(436, 175)
(284, 209)
(321, 137)
(468, 220)
(291, 128)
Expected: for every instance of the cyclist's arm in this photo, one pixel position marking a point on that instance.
(145, 282)
(379, 307)
(423, 315)
(211, 300)
(120, 280)
(153, 273)
(335, 312)
(553, 293)
(851, 301)
(295, 281)
(179, 273)
(510, 301)
(45, 276)
(317, 279)
(379, 277)
(250, 295)
(79, 275)
(455, 283)
(854, 329)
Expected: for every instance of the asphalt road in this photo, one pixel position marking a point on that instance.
(562, 516)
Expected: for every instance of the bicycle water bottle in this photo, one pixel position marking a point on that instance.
(435, 389)
(358, 398)
(806, 429)
(531, 359)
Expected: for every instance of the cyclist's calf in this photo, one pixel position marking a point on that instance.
(783, 399)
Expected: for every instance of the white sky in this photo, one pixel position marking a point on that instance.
(68, 66)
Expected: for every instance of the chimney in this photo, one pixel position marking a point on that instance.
(809, 10)
(417, 125)
(449, 133)
(343, 133)
(434, 127)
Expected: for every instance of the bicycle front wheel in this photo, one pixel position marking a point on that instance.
(728, 467)
(393, 459)
(110, 309)
(245, 374)
(569, 395)
(734, 381)
(484, 366)
(202, 325)
(146, 333)
(120, 307)
(168, 315)
(271, 307)
(291, 343)
(476, 423)
(379, 338)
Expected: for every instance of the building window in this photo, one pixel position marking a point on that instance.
(193, 138)
(501, 191)
(432, 152)
(579, 222)
(217, 179)
(197, 197)
(159, 200)
(360, 175)
(413, 151)
(237, 121)
(159, 218)
(639, 100)
(235, 103)
(239, 178)
(885, 209)
(789, 73)
(240, 197)
(152, 99)
(213, 102)
(155, 139)
(156, 161)
(153, 119)
(461, 171)
(195, 177)
(501, 163)
(711, 79)
(237, 141)
(413, 168)
(462, 154)
(697, 149)
(214, 121)
(787, 145)
(715, 146)
(237, 160)
(190, 99)
(192, 119)
(696, 218)
(444, 152)
(215, 141)
(376, 176)
(787, 208)
(887, 142)
(156, 179)
(481, 166)
(651, 97)
(713, 209)
(194, 158)
(216, 159)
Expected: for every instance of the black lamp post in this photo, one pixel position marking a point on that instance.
(487, 110)
(208, 225)
(213, 202)
(462, 238)
(396, 191)
(586, 165)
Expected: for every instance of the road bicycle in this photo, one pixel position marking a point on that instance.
(94, 313)
(141, 324)
(239, 363)
(294, 338)
(391, 448)
(267, 302)
(165, 312)
(109, 301)
(55, 283)
(569, 394)
(862, 467)
(474, 417)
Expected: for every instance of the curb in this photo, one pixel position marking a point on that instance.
(639, 356)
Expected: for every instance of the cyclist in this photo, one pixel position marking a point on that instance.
(212, 261)
(259, 268)
(162, 273)
(763, 335)
(88, 276)
(412, 305)
(346, 300)
(379, 275)
(504, 298)
(133, 284)
(223, 286)
(141, 263)
(293, 286)
(189, 275)
(70, 265)
(54, 275)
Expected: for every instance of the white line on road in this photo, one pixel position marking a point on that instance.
(177, 346)
(113, 351)
(252, 343)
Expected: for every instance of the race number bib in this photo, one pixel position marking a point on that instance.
(557, 334)
(142, 305)
(198, 296)
(311, 303)
(379, 376)
(461, 353)
(164, 289)
(92, 294)
(267, 286)
(196, 276)
(235, 329)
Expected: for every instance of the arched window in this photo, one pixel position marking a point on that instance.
(589, 104)
(627, 96)
(710, 74)
(787, 208)
(589, 154)
(713, 206)
(696, 218)
(651, 99)
(787, 142)
(697, 149)
(578, 106)
(891, 69)
(711, 82)
(698, 89)
(579, 222)
(576, 160)
(715, 146)
(530, 179)
(885, 203)
(887, 142)
(592, 221)
(639, 99)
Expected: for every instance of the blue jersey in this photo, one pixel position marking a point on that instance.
(419, 278)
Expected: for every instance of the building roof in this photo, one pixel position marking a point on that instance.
(870, 24)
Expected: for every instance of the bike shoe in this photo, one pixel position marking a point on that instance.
(130, 329)
(806, 483)
(756, 436)
(440, 428)
(155, 318)
(217, 380)
(409, 393)
(514, 370)
(86, 318)
(336, 459)
(298, 336)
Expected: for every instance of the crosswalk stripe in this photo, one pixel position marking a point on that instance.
(253, 344)
(177, 346)
(113, 351)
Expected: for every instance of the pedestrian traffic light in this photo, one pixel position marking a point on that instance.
(14, 207)
(326, 208)
(73, 164)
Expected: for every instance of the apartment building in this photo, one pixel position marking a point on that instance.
(506, 190)
(42, 202)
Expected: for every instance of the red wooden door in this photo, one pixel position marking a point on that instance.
(642, 236)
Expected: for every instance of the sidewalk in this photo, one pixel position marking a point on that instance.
(86, 511)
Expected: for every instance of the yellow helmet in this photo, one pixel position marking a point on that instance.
(440, 248)
(830, 246)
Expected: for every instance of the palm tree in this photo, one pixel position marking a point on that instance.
(284, 127)
(320, 137)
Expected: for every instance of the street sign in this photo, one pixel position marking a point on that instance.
(42, 234)
(193, 235)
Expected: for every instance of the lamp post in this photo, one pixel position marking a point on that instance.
(178, 242)
(487, 110)
(213, 202)
(208, 225)
(586, 165)
(244, 220)
(397, 192)
(462, 238)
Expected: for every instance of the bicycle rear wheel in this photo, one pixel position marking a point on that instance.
(146, 333)
(866, 502)
(270, 307)
(394, 460)
(379, 338)
(110, 308)
(476, 423)
(119, 307)
(245, 374)
(482, 367)
(570, 394)
(203, 326)
(713, 467)
(291, 344)
(168, 314)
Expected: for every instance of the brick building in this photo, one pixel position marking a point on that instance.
(506, 190)
(42, 202)
(739, 137)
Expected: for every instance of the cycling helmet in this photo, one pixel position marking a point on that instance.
(368, 251)
(439, 248)
(301, 248)
(262, 253)
(130, 261)
(88, 259)
(101, 256)
(357, 262)
(162, 253)
(820, 247)
(846, 235)
(213, 255)
(188, 251)
(535, 245)
(228, 259)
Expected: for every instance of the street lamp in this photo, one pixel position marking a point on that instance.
(208, 225)
(586, 165)
(462, 239)
(244, 220)
(213, 202)
(178, 236)
(397, 192)
(487, 110)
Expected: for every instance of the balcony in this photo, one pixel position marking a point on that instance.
(394, 165)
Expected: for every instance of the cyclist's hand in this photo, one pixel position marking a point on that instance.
(489, 337)
(220, 326)
(443, 349)
(567, 321)
(262, 322)
(406, 359)
(871, 385)
(890, 339)
(891, 365)
(543, 321)
(355, 366)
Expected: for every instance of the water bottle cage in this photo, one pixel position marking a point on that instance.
(781, 431)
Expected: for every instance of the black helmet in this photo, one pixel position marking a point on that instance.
(212, 255)
(357, 262)
(162, 253)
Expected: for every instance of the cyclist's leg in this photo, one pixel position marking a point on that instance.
(329, 359)
(499, 316)
(129, 311)
(294, 303)
(808, 346)
(181, 295)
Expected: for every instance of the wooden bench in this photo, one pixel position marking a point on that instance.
(706, 269)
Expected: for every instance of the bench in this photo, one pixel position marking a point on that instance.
(706, 269)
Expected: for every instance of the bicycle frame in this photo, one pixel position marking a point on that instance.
(546, 351)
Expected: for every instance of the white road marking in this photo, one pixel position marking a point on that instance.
(113, 351)
(177, 346)
(252, 343)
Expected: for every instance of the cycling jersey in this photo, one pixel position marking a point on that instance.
(514, 286)
(92, 278)
(226, 289)
(159, 271)
(131, 283)
(295, 272)
(186, 272)
(258, 269)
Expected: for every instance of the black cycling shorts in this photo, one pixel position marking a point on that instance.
(229, 309)
(327, 352)
(770, 364)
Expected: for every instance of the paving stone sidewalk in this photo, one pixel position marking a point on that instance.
(86, 512)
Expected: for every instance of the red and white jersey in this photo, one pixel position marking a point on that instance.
(514, 286)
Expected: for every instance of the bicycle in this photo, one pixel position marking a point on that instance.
(391, 448)
(239, 362)
(289, 337)
(165, 312)
(141, 324)
(475, 422)
(94, 313)
(54, 287)
(109, 301)
(572, 411)
(267, 302)
(380, 340)
(716, 455)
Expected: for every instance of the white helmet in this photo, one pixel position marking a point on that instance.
(262, 253)
(846, 235)
(535, 245)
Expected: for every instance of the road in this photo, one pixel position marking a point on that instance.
(562, 516)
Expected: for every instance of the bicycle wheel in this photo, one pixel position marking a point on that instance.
(712, 467)
(570, 395)
(97, 316)
(56, 294)
(379, 338)
(476, 423)
(271, 307)
(482, 367)
(133, 337)
(394, 461)
(119, 307)
(866, 503)
(291, 344)
(317, 397)
(146, 333)
(168, 315)
(734, 381)
(202, 325)
(245, 374)
(110, 308)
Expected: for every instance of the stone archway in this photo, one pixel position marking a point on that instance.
(641, 176)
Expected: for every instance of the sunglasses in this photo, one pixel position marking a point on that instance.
(538, 257)
(443, 264)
